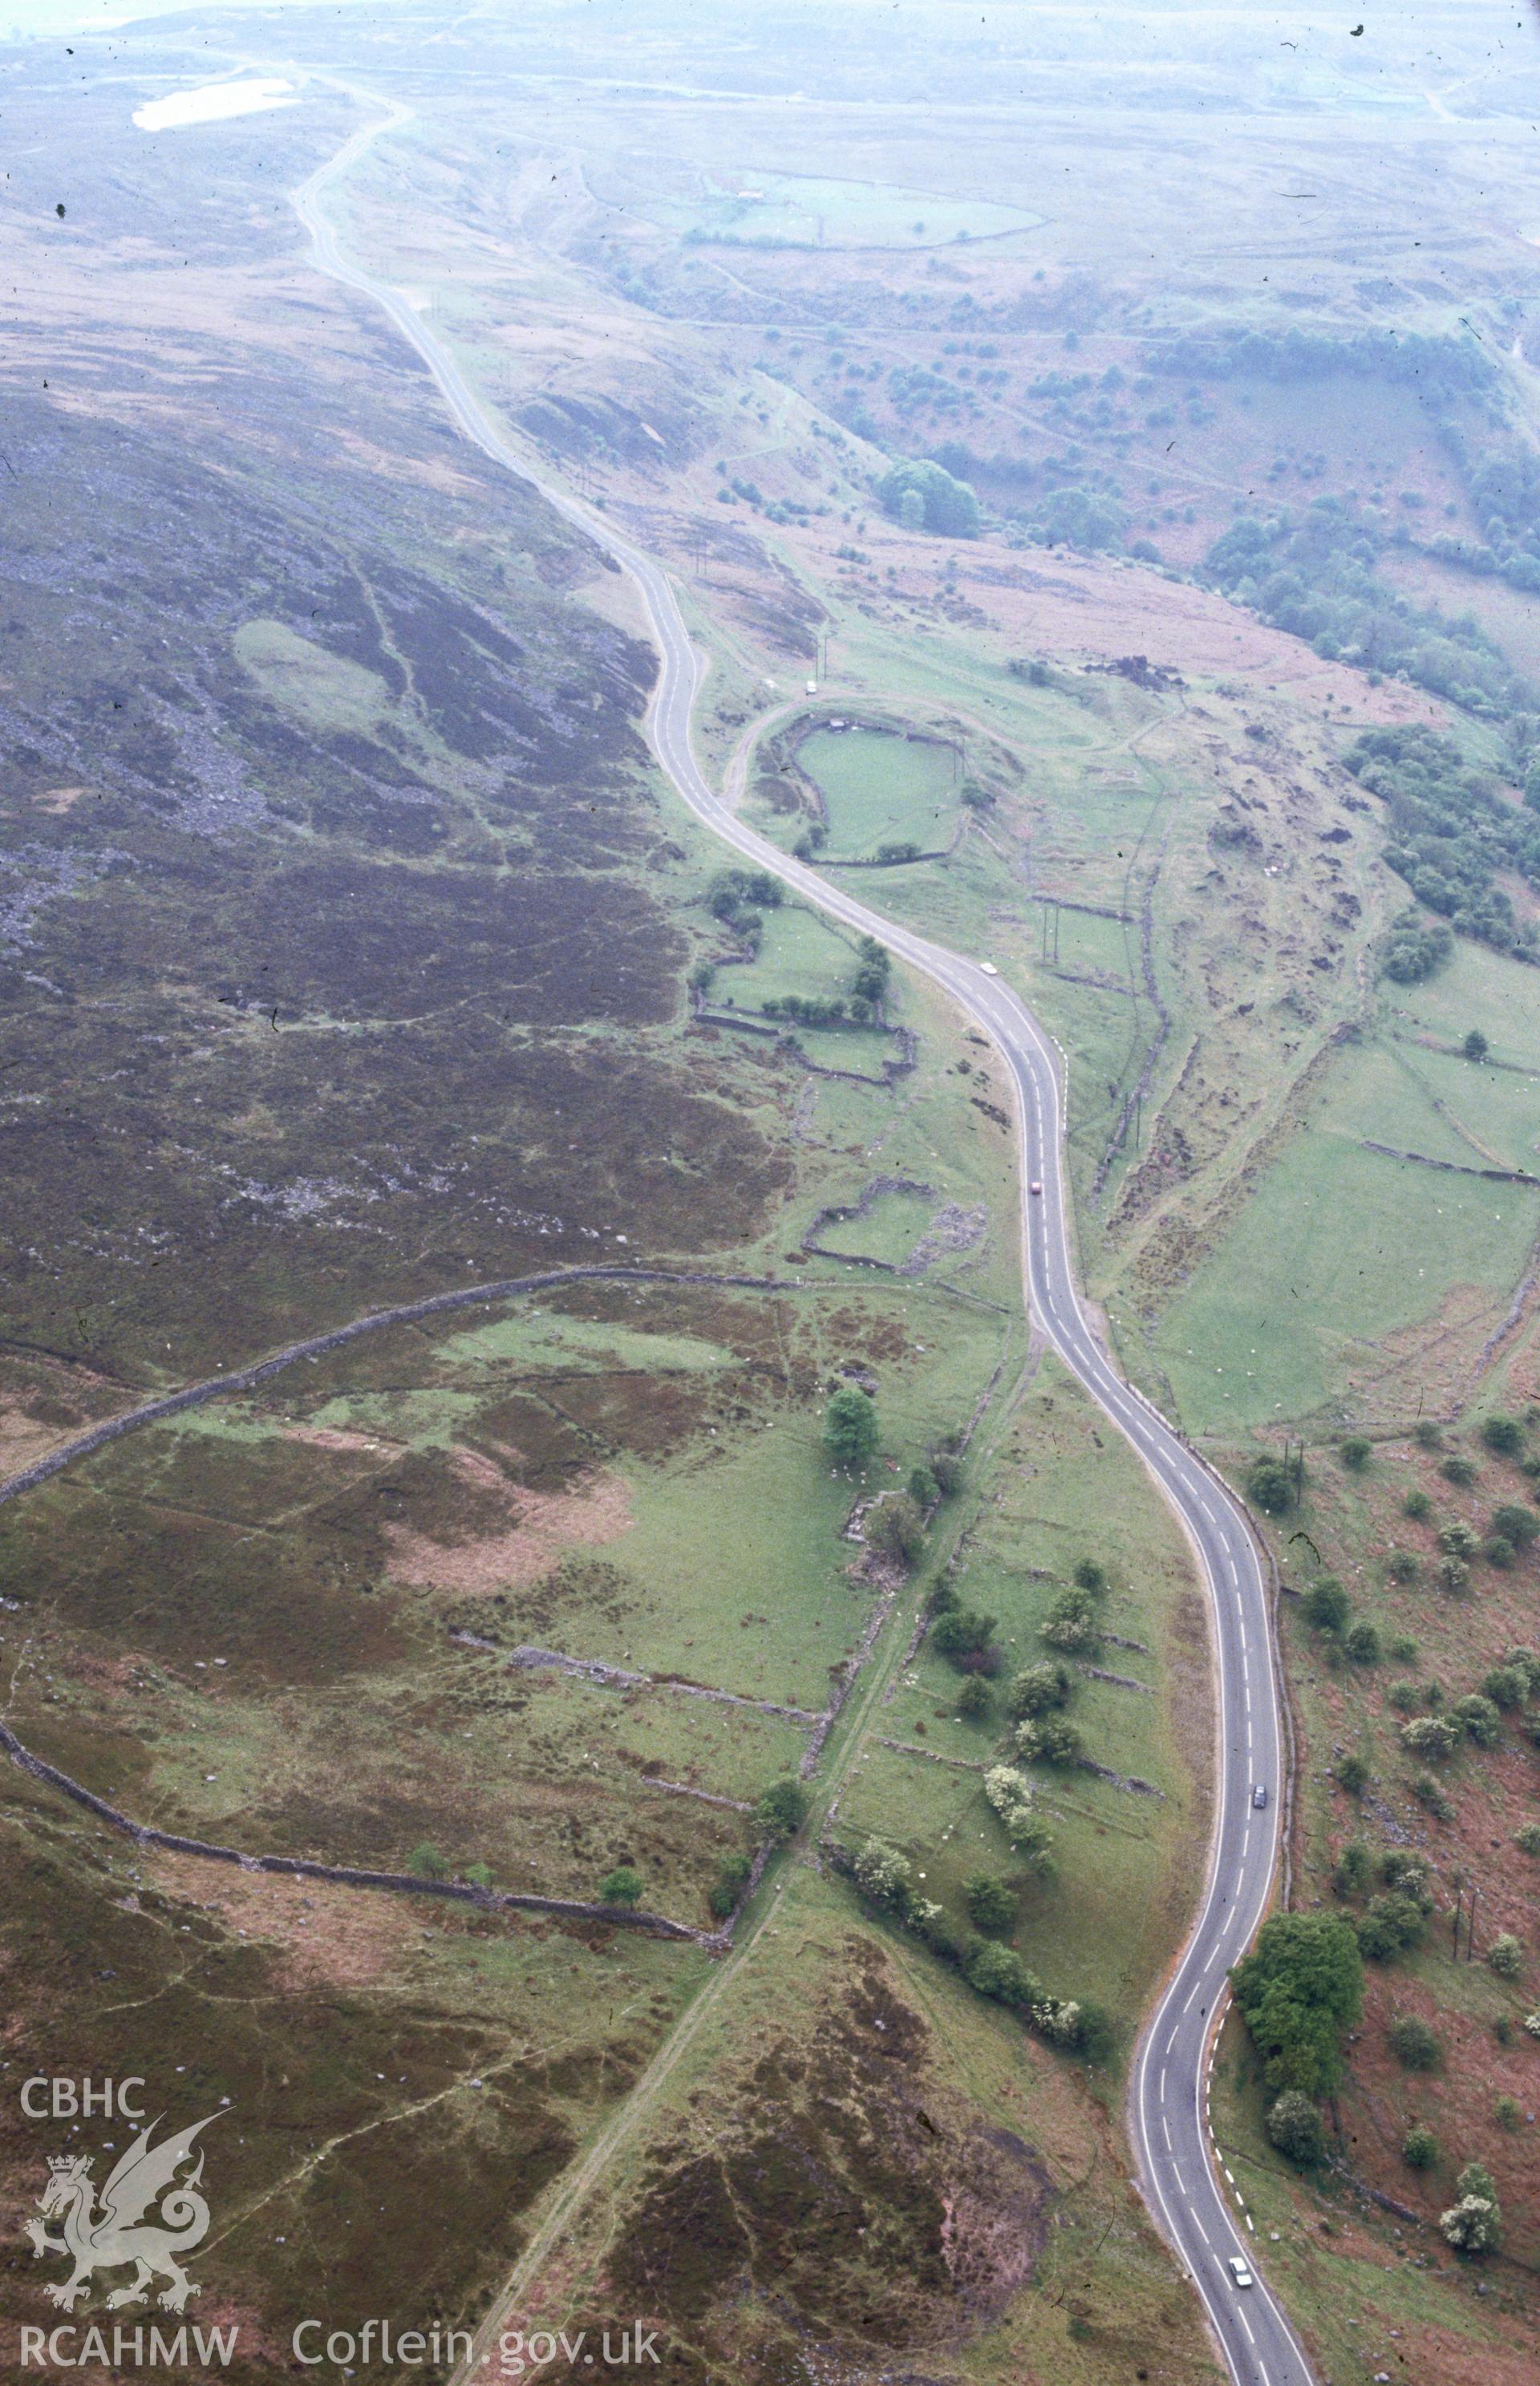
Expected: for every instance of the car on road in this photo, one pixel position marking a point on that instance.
(989, 968)
(1239, 2271)
(1260, 1795)
(1034, 1187)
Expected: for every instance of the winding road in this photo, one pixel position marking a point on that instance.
(1168, 2084)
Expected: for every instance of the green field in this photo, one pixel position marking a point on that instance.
(810, 211)
(881, 788)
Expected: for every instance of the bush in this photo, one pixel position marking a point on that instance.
(427, 1863)
(1356, 1452)
(947, 508)
(1506, 1687)
(974, 1702)
(1296, 2128)
(850, 1427)
(1498, 1552)
(1505, 1956)
(1458, 1470)
(1071, 1623)
(479, 1874)
(621, 1886)
(895, 1527)
(1478, 1719)
(1474, 2224)
(1429, 1433)
(1405, 1697)
(1414, 2043)
(1430, 1738)
(782, 1808)
(1526, 1838)
(1402, 1566)
(1326, 1604)
(1419, 2147)
(962, 1632)
(1272, 1486)
(946, 1467)
(731, 1872)
(1507, 2112)
(1402, 1648)
(1454, 1578)
(921, 1486)
(1503, 1434)
(1389, 1925)
(1352, 1775)
(998, 1972)
(1090, 1575)
(1517, 1525)
(1458, 1539)
(1362, 1644)
(991, 1904)
(1353, 1871)
(1049, 1739)
(1037, 1689)
(1417, 1506)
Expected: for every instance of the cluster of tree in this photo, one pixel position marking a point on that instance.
(1037, 1699)
(739, 899)
(992, 1970)
(1072, 1622)
(1313, 575)
(965, 1635)
(1087, 519)
(923, 496)
(1329, 1612)
(1300, 1990)
(1450, 832)
(1275, 1484)
(1438, 366)
(850, 1429)
(1013, 1801)
(1505, 493)
(1415, 947)
(864, 1003)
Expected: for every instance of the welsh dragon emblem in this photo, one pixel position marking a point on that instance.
(117, 2234)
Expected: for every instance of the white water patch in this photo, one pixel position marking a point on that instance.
(212, 101)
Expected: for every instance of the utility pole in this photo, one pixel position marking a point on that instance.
(1471, 1927)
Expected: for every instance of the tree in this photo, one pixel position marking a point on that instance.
(974, 1704)
(1458, 1539)
(1352, 1775)
(1454, 1578)
(1049, 1739)
(850, 1427)
(998, 1972)
(1037, 1689)
(782, 1808)
(961, 1631)
(621, 1886)
(426, 1861)
(1419, 2147)
(1389, 1925)
(1296, 2128)
(991, 1904)
(1326, 1604)
(731, 1872)
(1071, 1621)
(1418, 1506)
(1089, 1575)
(921, 1486)
(1362, 1644)
(1517, 1525)
(883, 1874)
(1298, 1990)
(946, 1467)
(1475, 1046)
(1505, 1956)
(1478, 1719)
(1357, 1453)
(1353, 1870)
(947, 508)
(895, 1527)
(1414, 2043)
(1462, 1473)
(1475, 2225)
(1503, 1434)
(1272, 1486)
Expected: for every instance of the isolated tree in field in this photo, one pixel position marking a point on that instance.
(621, 1886)
(1272, 1485)
(426, 1861)
(1296, 2128)
(1505, 1956)
(1517, 1525)
(1475, 1046)
(1503, 1434)
(782, 1808)
(1354, 1870)
(974, 1702)
(1475, 2225)
(1414, 2043)
(850, 1427)
(1419, 2147)
(1326, 1604)
(1357, 1452)
(961, 1632)
(1048, 1740)
(1352, 1775)
(991, 1904)
(1090, 1574)
(1430, 1738)
(1362, 1644)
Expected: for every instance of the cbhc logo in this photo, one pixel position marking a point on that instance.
(43, 2098)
